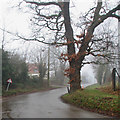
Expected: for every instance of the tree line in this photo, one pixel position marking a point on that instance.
(15, 67)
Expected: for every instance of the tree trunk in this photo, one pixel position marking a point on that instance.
(74, 73)
(62, 68)
(76, 83)
(103, 75)
(113, 79)
(75, 63)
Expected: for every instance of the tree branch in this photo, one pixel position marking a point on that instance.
(110, 14)
(41, 41)
(42, 3)
(116, 16)
(98, 8)
(92, 62)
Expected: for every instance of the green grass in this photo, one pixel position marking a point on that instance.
(94, 86)
(94, 99)
(15, 92)
(19, 91)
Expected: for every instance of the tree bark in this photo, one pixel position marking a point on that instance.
(76, 83)
(103, 75)
(74, 76)
(114, 79)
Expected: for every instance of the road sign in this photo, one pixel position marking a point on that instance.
(9, 80)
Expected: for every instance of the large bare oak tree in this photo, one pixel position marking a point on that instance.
(59, 22)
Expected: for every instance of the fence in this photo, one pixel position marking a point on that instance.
(114, 72)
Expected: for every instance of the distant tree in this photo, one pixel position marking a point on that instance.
(20, 68)
(15, 68)
(42, 71)
(38, 57)
(24, 72)
(6, 67)
(104, 66)
(103, 73)
(59, 20)
(60, 76)
(57, 64)
(84, 79)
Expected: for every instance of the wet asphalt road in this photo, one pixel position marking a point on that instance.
(46, 104)
(0, 108)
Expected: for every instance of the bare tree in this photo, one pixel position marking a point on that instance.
(59, 21)
(38, 58)
(57, 64)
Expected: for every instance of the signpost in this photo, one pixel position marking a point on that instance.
(9, 81)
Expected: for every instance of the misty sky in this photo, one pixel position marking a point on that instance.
(14, 20)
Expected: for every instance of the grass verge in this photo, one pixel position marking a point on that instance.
(14, 92)
(93, 99)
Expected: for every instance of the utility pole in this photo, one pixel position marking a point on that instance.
(119, 41)
(3, 40)
(119, 58)
(48, 66)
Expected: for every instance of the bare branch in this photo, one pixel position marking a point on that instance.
(92, 62)
(38, 40)
(42, 3)
(115, 16)
(110, 14)
(96, 15)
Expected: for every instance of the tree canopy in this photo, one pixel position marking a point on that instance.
(15, 68)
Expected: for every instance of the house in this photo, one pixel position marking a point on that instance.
(33, 70)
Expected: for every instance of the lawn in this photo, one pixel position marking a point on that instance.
(94, 99)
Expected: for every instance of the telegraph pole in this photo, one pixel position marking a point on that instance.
(3, 40)
(48, 65)
(119, 41)
(119, 58)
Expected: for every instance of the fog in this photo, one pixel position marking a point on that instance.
(88, 75)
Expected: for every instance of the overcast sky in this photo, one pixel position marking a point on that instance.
(16, 21)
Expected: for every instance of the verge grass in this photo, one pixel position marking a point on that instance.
(93, 99)
(19, 91)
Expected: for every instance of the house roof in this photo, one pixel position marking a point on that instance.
(33, 69)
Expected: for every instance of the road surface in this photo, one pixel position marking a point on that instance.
(46, 104)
